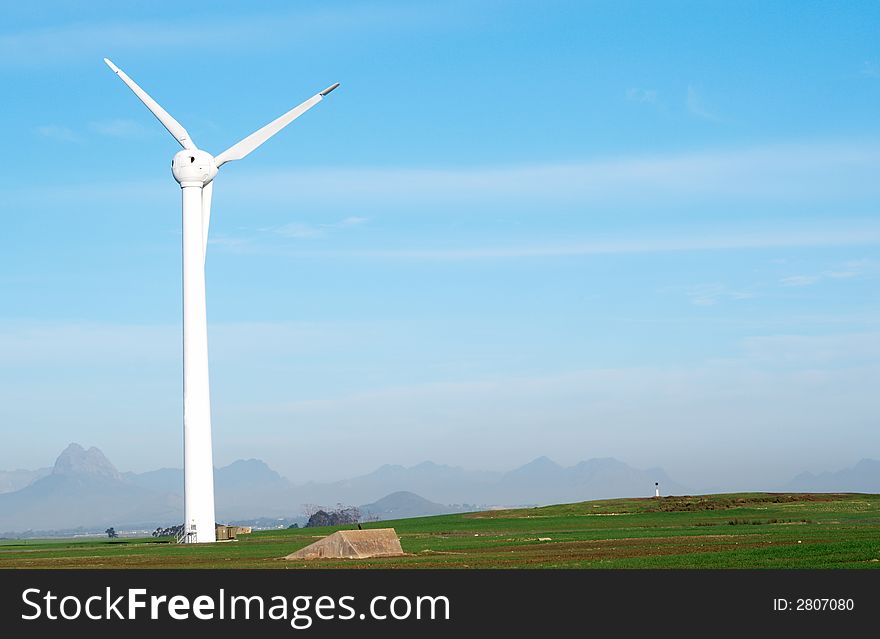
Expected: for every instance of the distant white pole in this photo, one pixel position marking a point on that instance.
(656, 489)
(197, 452)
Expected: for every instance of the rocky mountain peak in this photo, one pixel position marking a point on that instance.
(75, 460)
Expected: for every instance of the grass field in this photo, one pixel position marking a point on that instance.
(755, 530)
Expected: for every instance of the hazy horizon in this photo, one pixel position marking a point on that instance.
(571, 230)
(737, 483)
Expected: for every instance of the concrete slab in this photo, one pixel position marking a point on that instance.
(353, 544)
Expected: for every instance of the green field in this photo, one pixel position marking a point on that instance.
(754, 530)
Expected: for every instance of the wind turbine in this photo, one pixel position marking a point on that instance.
(195, 170)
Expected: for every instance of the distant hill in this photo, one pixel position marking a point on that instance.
(864, 477)
(84, 489)
(542, 481)
(75, 461)
(403, 505)
(247, 473)
(245, 489)
(168, 480)
(249, 488)
(439, 483)
(12, 480)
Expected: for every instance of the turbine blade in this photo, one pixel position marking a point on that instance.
(207, 193)
(251, 142)
(174, 127)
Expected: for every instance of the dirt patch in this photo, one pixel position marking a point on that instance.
(693, 504)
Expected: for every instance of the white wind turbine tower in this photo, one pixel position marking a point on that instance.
(195, 170)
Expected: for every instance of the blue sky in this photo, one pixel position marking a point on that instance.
(574, 229)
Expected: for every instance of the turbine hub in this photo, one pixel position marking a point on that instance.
(192, 167)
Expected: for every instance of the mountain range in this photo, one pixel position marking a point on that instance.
(85, 490)
(403, 504)
(864, 477)
(12, 480)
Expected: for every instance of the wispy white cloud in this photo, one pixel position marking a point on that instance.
(301, 230)
(712, 294)
(89, 41)
(231, 244)
(798, 172)
(865, 236)
(850, 269)
(59, 45)
(806, 350)
(297, 230)
(774, 388)
(119, 128)
(870, 69)
(858, 235)
(799, 280)
(696, 105)
(88, 345)
(635, 94)
(58, 133)
(116, 128)
(105, 377)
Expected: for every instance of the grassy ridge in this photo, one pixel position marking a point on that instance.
(755, 530)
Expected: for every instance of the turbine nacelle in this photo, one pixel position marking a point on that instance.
(193, 167)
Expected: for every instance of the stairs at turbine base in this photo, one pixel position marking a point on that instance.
(353, 544)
